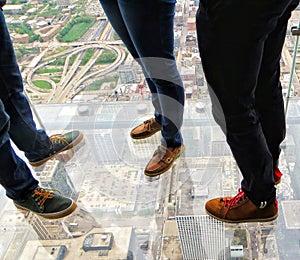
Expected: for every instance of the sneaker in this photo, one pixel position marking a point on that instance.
(240, 209)
(162, 160)
(59, 143)
(47, 203)
(277, 176)
(146, 129)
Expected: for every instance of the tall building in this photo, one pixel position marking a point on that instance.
(47, 229)
(52, 175)
(38, 226)
(201, 237)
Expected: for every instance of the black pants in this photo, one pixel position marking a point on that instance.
(240, 44)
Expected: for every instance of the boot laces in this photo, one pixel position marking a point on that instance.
(42, 194)
(228, 203)
(58, 139)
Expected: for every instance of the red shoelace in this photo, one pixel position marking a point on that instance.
(277, 175)
(236, 199)
(228, 203)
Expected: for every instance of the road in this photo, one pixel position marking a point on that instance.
(72, 78)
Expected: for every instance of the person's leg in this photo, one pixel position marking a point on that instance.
(232, 36)
(150, 26)
(21, 186)
(22, 130)
(112, 11)
(15, 176)
(36, 144)
(268, 96)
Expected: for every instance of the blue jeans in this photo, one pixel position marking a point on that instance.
(146, 28)
(240, 44)
(15, 176)
(16, 123)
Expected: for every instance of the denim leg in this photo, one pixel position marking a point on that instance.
(15, 176)
(22, 130)
(112, 11)
(149, 24)
(232, 47)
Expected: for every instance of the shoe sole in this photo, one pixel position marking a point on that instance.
(56, 215)
(151, 174)
(145, 136)
(243, 220)
(69, 146)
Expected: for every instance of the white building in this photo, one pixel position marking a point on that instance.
(201, 237)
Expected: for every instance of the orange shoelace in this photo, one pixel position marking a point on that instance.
(58, 139)
(41, 195)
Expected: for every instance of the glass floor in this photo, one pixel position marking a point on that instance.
(122, 214)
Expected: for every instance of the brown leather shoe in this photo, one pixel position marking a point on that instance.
(162, 160)
(240, 209)
(146, 129)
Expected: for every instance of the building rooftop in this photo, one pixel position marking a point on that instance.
(116, 245)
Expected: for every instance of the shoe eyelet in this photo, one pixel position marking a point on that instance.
(168, 160)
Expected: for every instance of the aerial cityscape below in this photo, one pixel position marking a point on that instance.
(78, 75)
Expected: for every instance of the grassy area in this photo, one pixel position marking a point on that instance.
(96, 85)
(76, 32)
(58, 62)
(50, 13)
(240, 237)
(107, 56)
(72, 59)
(87, 56)
(61, 62)
(43, 84)
(56, 79)
(75, 29)
(20, 52)
(25, 29)
(45, 70)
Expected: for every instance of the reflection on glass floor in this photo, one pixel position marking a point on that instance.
(123, 214)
